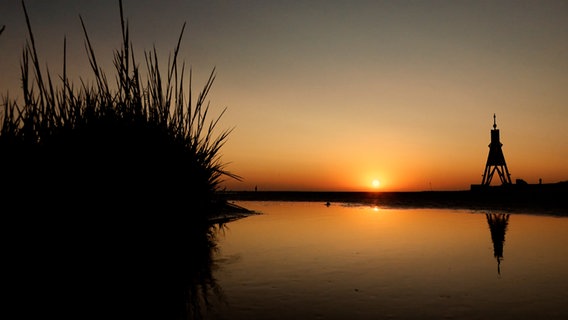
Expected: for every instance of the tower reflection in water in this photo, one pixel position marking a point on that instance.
(498, 223)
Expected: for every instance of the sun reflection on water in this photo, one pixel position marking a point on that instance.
(301, 259)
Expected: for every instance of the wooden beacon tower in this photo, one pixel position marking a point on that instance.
(495, 160)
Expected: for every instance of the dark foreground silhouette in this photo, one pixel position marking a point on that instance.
(108, 195)
(108, 269)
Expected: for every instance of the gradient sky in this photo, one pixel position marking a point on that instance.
(330, 95)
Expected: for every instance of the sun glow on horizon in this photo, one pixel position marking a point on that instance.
(376, 184)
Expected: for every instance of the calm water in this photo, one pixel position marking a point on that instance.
(308, 261)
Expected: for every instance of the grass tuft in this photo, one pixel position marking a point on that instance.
(109, 189)
(136, 143)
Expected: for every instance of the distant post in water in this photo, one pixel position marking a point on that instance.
(495, 160)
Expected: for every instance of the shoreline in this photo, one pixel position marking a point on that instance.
(230, 212)
(549, 202)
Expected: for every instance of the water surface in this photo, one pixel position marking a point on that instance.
(304, 260)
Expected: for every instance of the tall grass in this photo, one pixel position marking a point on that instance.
(136, 142)
(107, 189)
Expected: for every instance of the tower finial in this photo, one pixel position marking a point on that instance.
(494, 122)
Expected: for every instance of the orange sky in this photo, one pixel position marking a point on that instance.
(330, 95)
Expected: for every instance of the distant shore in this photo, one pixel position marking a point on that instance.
(549, 202)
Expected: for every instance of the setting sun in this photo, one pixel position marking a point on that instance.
(376, 183)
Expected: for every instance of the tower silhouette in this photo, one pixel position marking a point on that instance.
(495, 159)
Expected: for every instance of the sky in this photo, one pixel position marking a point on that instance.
(332, 95)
